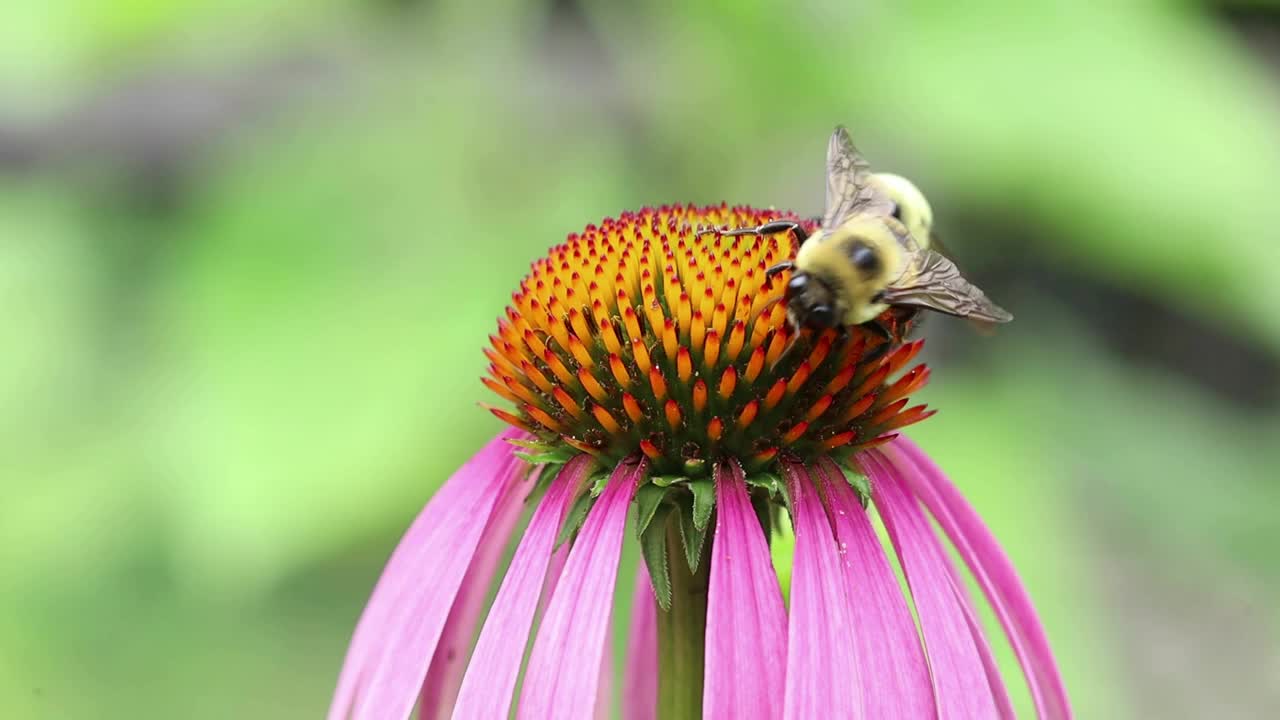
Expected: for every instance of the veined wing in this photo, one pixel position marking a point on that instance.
(934, 282)
(848, 190)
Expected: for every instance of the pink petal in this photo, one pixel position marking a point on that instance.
(959, 679)
(822, 665)
(444, 674)
(746, 620)
(563, 677)
(994, 572)
(895, 678)
(640, 675)
(495, 663)
(604, 696)
(555, 569)
(397, 633)
(995, 680)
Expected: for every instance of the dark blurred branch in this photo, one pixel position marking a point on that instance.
(1142, 329)
(1259, 26)
(152, 126)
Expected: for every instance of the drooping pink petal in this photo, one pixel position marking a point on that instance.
(563, 677)
(397, 633)
(444, 674)
(746, 619)
(822, 665)
(604, 695)
(995, 680)
(495, 663)
(895, 677)
(959, 679)
(640, 674)
(994, 572)
(555, 568)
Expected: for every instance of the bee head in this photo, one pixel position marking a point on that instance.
(810, 302)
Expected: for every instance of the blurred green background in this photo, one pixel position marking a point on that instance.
(250, 251)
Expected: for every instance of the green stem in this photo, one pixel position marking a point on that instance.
(682, 633)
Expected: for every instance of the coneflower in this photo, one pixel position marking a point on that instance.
(654, 381)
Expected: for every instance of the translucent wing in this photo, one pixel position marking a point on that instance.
(934, 282)
(848, 189)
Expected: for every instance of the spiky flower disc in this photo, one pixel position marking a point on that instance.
(640, 335)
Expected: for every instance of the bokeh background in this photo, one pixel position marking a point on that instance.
(250, 251)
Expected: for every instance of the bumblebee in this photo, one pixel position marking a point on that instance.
(909, 208)
(874, 250)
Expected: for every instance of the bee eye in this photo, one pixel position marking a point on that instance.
(897, 212)
(822, 316)
(864, 258)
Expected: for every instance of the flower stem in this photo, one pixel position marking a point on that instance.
(682, 633)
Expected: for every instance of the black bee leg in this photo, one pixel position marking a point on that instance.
(781, 267)
(777, 270)
(842, 336)
(773, 228)
(880, 329)
(769, 228)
